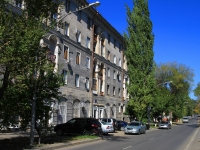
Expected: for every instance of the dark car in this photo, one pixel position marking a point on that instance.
(86, 126)
(120, 125)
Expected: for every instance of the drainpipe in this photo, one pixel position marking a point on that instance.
(92, 65)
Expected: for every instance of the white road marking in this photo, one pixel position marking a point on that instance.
(188, 145)
(127, 147)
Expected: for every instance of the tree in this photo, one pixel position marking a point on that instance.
(25, 68)
(197, 91)
(139, 41)
(182, 80)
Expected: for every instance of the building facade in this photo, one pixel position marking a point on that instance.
(88, 51)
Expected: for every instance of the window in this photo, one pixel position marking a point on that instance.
(114, 74)
(108, 55)
(88, 43)
(114, 59)
(114, 43)
(64, 73)
(119, 92)
(79, 16)
(120, 62)
(108, 72)
(78, 58)
(94, 85)
(113, 91)
(102, 47)
(77, 80)
(78, 36)
(87, 83)
(88, 23)
(67, 6)
(66, 52)
(119, 76)
(88, 62)
(66, 29)
(108, 38)
(108, 89)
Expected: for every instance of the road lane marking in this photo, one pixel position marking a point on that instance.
(188, 145)
(127, 147)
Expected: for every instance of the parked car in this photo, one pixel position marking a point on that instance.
(185, 119)
(164, 125)
(135, 127)
(79, 126)
(106, 127)
(120, 125)
(111, 121)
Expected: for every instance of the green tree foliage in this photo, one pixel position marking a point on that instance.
(178, 91)
(19, 47)
(197, 91)
(139, 42)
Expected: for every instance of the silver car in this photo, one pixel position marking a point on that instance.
(185, 120)
(164, 125)
(135, 127)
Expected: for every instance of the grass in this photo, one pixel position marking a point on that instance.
(20, 143)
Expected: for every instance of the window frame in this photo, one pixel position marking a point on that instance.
(66, 52)
(78, 58)
(88, 43)
(77, 80)
(87, 62)
(64, 73)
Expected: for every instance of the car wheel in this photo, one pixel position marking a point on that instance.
(59, 132)
(139, 132)
(144, 131)
(86, 132)
(122, 128)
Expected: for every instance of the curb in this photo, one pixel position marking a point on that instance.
(63, 145)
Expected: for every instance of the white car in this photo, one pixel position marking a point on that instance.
(106, 127)
(185, 120)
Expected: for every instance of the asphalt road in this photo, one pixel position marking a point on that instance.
(177, 138)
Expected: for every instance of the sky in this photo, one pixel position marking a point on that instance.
(176, 26)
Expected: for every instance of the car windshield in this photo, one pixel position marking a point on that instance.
(104, 123)
(185, 118)
(134, 124)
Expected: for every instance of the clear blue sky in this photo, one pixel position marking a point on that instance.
(176, 26)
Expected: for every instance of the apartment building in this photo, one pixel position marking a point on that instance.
(88, 51)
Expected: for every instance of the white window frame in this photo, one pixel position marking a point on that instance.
(108, 71)
(108, 89)
(87, 62)
(114, 91)
(77, 80)
(119, 92)
(66, 29)
(87, 83)
(120, 62)
(114, 74)
(88, 43)
(114, 59)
